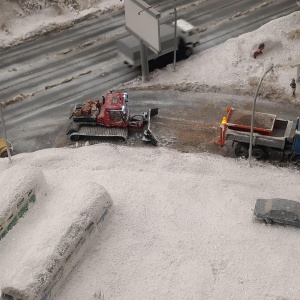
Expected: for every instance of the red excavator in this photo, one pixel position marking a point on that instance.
(109, 118)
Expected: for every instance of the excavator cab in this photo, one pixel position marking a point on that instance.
(119, 116)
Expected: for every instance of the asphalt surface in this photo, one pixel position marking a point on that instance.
(187, 122)
(46, 77)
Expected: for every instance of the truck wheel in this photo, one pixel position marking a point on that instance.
(297, 161)
(4, 154)
(268, 221)
(241, 150)
(188, 51)
(258, 153)
(74, 137)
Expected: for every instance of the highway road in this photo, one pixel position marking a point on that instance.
(46, 77)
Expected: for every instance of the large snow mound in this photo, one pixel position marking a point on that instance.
(230, 67)
(183, 226)
(29, 19)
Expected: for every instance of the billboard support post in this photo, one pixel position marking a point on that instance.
(253, 113)
(175, 35)
(144, 62)
(5, 135)
(142, 21)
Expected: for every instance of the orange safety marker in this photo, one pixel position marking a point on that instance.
(221, 140)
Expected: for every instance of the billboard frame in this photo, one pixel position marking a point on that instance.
(142, 21)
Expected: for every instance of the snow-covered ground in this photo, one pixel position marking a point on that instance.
(230, 67)
(30, 18)
(183, 226)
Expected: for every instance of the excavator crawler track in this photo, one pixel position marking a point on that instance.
(100, 132)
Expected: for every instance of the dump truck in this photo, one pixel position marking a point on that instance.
(187, 38)
(272, 136)
(109, 118)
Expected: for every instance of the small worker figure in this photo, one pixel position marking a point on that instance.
(293, 86)
(261, 47)
(98, 104)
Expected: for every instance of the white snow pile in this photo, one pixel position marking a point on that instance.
(27, 19)
(230, 67)
(182, 228)
(45, 245)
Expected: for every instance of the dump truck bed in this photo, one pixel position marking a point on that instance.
(280, 131)
(240, 120)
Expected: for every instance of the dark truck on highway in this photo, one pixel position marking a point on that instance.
(187, 39)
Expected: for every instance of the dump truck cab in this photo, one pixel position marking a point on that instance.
(296, 140)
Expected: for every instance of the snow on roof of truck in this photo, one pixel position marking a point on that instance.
(184, 25)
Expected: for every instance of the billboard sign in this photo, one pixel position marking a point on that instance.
(142, 21)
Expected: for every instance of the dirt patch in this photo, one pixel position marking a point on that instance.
(185, 135)
(294, 34)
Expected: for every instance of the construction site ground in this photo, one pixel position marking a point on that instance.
(189, 121)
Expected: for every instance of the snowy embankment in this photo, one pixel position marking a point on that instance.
(46, 243)
(230, 67)
(28, 19)
(183, 225)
